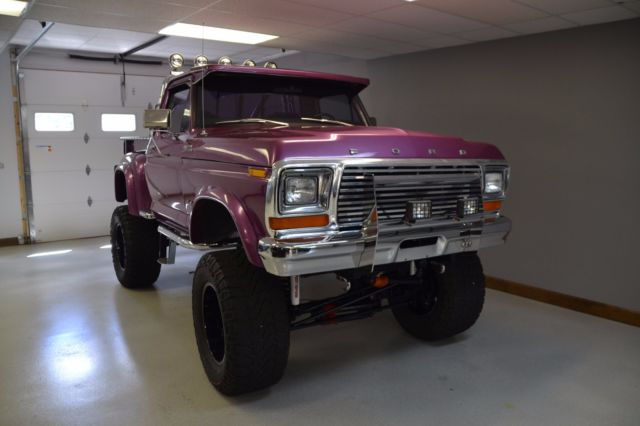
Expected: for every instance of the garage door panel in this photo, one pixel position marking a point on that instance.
(45, 87)
(69, 187)
(143, 90)
(64, 221)
(62, 154)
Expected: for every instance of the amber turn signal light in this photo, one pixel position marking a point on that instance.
(490, 206)
(381, 281)
(257, 172)
(277, 223)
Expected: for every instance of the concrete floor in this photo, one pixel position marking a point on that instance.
(76, 348)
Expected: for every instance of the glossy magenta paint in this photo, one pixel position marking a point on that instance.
(263, 145)
(173, 179)
(138, 198)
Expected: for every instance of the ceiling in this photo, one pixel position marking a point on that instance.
(362, 29)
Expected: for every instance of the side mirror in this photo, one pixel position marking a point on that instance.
(157, 119)
(373, 121)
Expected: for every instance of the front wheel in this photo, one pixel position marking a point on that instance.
(447, 303)
(241, 322)
(134, 249)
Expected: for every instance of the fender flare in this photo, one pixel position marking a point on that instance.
(242, 217)
(138, 196)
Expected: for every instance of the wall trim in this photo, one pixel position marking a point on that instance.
(614, 313)
(4, 242)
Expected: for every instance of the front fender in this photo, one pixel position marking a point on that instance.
(138, 197)
(248, 222)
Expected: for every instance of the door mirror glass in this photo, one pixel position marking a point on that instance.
(157, 119)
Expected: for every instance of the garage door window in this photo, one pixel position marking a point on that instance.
(54, 122)
(118, 122)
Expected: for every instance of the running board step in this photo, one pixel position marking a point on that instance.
(175, 240)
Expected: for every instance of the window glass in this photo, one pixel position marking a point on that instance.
(303, 102)
(118, 122)
(178, 103)
(54, 121)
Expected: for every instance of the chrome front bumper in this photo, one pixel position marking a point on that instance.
(392, 245)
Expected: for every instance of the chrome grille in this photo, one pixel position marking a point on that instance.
(444, 185)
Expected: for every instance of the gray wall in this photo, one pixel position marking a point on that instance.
(564, 108)
(10, 226)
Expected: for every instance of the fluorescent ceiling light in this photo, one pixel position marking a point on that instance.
(107, 246)
(12, 7)
(49, 253)
(214, 33)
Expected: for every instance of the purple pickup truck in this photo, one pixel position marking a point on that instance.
(278, 175)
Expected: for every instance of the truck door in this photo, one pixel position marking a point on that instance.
(164, 159)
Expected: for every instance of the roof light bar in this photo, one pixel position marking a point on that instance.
(215, 33)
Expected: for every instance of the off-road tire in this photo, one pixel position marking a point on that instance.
(456, 298)
(134, 249)
(241, 322)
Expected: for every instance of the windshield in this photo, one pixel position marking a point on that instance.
(241, 98)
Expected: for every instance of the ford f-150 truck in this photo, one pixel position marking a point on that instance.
(278, 175)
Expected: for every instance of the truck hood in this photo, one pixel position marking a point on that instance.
(262, 146)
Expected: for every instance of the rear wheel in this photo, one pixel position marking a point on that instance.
(447, 303)
(134, 249)
(241, 321)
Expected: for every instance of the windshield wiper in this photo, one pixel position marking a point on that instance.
(253, 120)
(326, 120)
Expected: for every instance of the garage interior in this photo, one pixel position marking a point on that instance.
(553, 84)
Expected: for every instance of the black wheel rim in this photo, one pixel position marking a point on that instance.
(212, 319)
(119, 248)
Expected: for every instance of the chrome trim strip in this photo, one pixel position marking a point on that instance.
(147, 215)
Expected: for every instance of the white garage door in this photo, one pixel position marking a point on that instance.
(71, 156)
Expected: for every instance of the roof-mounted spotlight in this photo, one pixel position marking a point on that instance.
(225, 60)
(176, 61)
(200, 61)
(249, 63)
(270, 64)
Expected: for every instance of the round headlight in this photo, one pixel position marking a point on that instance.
(224, 60)
(200, 61)
(270, 64)
(176, 61)
(249, 63)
